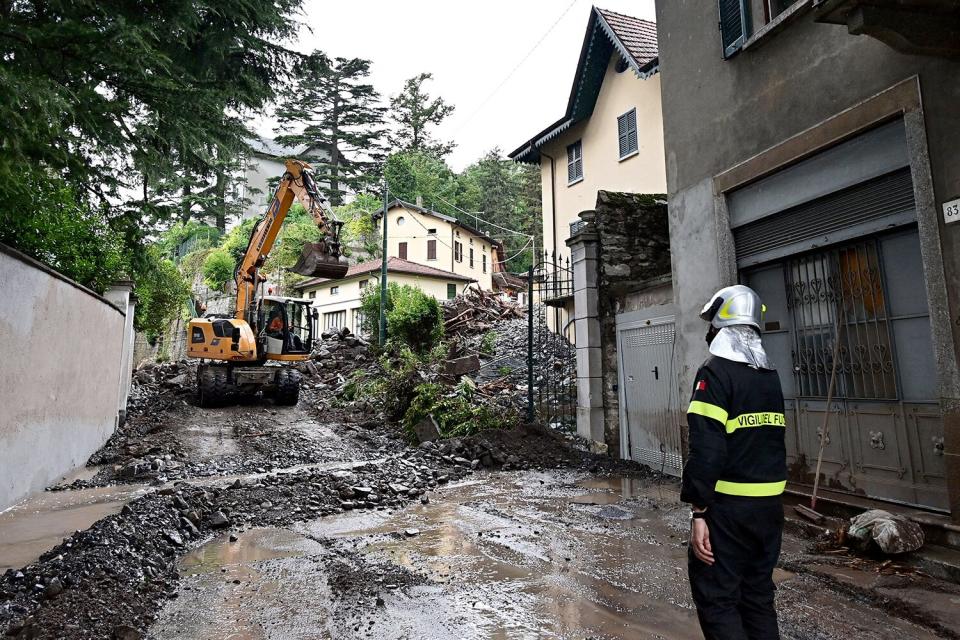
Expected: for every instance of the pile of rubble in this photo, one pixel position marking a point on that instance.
(335, 355)
(478, 311)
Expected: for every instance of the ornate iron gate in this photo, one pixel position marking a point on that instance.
(551, 344)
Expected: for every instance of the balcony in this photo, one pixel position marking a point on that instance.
(920, 27)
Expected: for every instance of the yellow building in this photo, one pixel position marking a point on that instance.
(433, 239)
(611, 136)
(338, 301)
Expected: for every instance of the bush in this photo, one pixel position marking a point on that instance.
(488, 343)
(162, 291)
(414, 319)
(218, 268)
(455, 411)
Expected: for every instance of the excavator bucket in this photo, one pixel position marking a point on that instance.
(316, 261)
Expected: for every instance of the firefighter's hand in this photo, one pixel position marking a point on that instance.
(700, 541)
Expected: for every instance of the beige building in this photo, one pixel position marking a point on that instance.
(338, 301)
(440, 241)
(611, 136)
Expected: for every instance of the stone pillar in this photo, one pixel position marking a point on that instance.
(584, 249)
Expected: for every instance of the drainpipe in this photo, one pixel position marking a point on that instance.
(553, 198)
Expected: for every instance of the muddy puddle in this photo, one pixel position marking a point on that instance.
(511, 556)
(41, 522)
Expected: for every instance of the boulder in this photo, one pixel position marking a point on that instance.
(892, 534)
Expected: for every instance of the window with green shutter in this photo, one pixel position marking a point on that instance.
(451, 291)
(734, 25)
(627, 133)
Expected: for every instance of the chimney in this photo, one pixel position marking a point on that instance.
(420, 201)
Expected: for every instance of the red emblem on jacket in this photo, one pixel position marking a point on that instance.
(701, 385)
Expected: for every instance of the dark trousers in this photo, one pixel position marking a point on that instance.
(734, 596)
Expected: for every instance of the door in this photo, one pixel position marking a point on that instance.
(650, 429)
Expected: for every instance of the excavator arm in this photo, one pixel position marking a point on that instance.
(319, 259)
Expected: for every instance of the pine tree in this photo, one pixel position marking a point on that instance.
(414, 112)
(341, 119)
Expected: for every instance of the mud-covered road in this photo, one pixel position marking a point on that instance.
(257, 522)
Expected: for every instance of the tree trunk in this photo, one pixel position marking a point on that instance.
(185, 208)
(220, 201)
(335, 198)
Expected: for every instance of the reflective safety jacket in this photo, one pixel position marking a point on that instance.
(737, 429)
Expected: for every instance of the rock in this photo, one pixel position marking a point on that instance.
(396, 487)
(54, 588)
(892, 534)
(218, 520)
(233, 537)
(462, 366)
(126, 632)
(173, 537)
(424, 499)
(362, 491)
(427, 429)
(411, 532)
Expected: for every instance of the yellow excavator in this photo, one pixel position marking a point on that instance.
(256, 350)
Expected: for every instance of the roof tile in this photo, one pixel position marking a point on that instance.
(637, 35)
(394, 265)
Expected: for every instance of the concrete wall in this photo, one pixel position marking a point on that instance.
(792, 92)
(602, 167)
(414, 231)
(62, 350)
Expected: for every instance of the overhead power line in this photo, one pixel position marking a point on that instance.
(514, 70)
(475, 216)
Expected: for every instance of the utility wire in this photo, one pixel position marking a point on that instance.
(515, 68)
(492, 224)
(506, 260)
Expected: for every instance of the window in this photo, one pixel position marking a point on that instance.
(403, 250)
(431, 249)
(451, 291)
(312, 295)
(627, 133)
(458, 251)
(335, 290)
(400, 221)
(484, 263)
(471, 257)
(358, 319)
(335, 320)
(734, 29)
(575, 162)
(432, 232)
(776, 7)
(363, 284)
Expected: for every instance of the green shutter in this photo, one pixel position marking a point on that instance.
(734, 25)
(451, 291)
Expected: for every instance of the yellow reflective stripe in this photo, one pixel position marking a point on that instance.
(751, 489)
(761, 419)
(708, 410)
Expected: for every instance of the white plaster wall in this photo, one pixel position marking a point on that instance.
(61, 349)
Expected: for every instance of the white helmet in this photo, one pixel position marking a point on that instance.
(734, 305)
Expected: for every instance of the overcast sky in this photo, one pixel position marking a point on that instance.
(471, 48)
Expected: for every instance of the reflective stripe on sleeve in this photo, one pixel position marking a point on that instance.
(751, 489)
(708, 410)
(762, 419)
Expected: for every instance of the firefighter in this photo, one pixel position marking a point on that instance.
(735, 474)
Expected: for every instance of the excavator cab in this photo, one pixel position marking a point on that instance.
(288, 327)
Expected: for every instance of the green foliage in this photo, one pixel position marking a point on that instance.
(162, 292)
(505, 370)
(218, 268)
(456, 411)
(417, 173)
(298, 229)
(185, 237)
(414, 319)
(236, 241)
(413, 112)
(338, 110)
(359, 231)
(488, 343)
(43, 218)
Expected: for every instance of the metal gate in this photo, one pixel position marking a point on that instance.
(649, 424)
(551, 349)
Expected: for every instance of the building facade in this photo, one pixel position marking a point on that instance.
(339, 301)
(818, 167)
(262, 170)
(611, 135)
(436, 240)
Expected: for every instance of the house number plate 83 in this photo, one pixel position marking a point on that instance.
(951, 211)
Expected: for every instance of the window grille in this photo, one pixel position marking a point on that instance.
(574, 162)
(840, 294)
(627, 133)
(335, 320)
